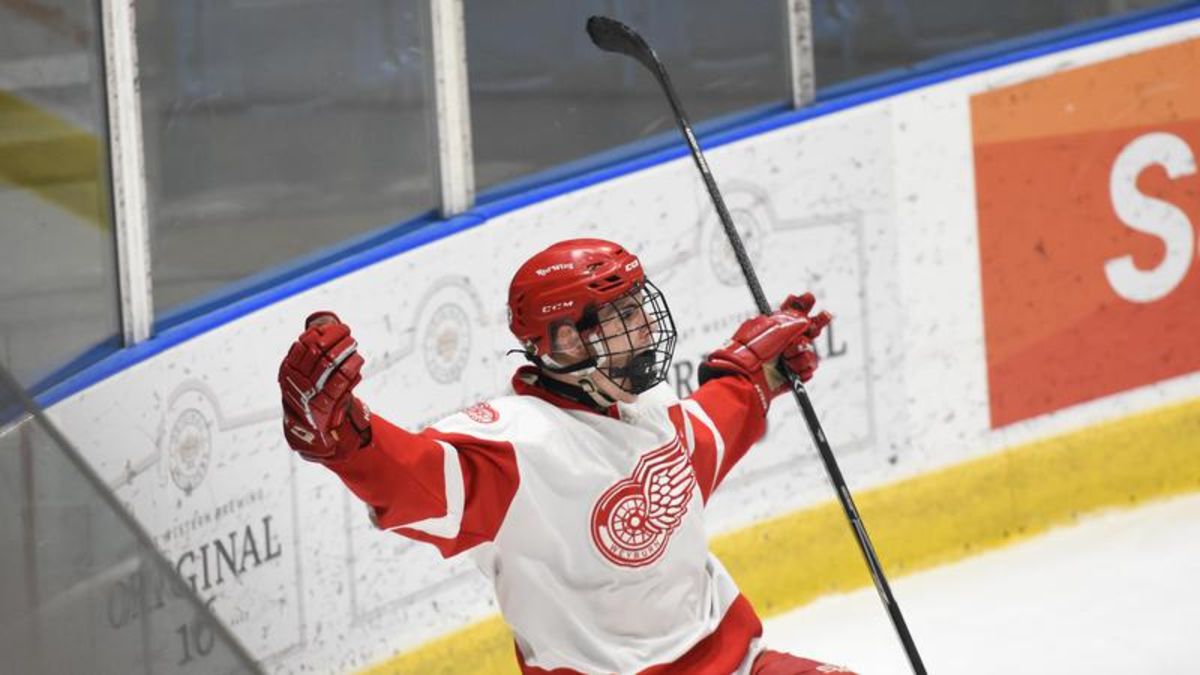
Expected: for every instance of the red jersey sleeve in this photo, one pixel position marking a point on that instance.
(719, 424)
(450, 490)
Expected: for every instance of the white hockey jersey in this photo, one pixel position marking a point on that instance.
(590, 526)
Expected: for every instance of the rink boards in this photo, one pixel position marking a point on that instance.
(1011, 258)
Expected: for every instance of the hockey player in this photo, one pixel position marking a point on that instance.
(581, 496)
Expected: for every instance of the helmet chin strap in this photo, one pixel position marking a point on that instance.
(597, 356)
(584, 374)
(583, 384)
(580, 389)
(590, 388)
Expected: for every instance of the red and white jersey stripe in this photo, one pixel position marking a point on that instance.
(590, 525)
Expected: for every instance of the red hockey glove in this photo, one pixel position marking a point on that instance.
(322, 420)
(761, 342)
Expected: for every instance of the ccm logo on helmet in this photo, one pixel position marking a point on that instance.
(633, 265)
(546, 309)
(554, 268)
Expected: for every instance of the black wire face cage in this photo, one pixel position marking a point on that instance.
(632, 339)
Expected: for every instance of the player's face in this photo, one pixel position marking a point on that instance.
(624, 329)
(630, 340)
(570, 349)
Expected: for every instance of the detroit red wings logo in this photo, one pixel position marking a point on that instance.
(633, 520)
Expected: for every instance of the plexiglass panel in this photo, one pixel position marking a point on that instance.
(278, 129)
(854, 38)
(58, 295)
(81, 588)
(543, 95)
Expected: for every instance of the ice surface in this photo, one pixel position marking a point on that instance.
(1117, 593)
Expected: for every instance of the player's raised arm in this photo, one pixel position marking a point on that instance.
(451, 490)
(728, 412)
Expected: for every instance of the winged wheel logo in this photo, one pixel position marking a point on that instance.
(633, 520)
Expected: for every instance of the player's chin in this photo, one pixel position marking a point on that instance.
(626, 397)
(619, 389)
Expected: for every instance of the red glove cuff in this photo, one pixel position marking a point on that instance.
(336, 444)
(757, 344)
(761, 343)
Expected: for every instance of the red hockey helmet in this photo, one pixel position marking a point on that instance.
(572, 282)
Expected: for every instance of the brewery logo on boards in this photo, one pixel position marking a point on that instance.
(440, 328)
(189, 449)
(224, 518)
(447, 342)
(724, 263)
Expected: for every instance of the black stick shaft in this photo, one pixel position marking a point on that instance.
(610, 35)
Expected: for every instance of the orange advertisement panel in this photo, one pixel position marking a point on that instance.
(1089, 203)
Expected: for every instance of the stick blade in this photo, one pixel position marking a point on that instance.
(613, 36)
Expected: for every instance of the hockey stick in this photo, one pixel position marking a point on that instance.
(614, 36)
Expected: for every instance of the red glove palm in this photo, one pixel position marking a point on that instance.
(760, 343)
(322, 420)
